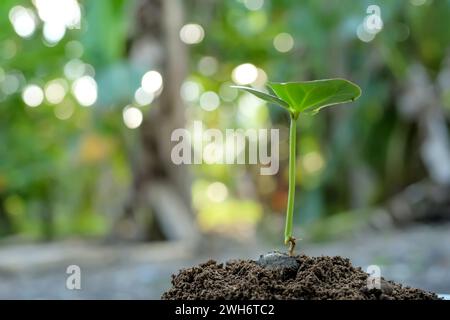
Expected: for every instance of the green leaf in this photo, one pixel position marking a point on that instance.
(265, 96)
(311, 96)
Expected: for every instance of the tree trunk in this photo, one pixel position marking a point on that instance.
(160, 186)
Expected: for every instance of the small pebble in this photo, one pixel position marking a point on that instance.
(282, 262)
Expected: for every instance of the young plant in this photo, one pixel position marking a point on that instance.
(306, 97)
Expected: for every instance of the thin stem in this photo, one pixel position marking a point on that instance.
(291, 194)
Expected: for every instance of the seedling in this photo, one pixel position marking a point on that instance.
(307, 97)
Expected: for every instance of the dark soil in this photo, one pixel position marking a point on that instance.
(277, 276)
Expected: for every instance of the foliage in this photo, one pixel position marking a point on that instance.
(308, 96)
(350, 158)
(62, 177)
(58, 161)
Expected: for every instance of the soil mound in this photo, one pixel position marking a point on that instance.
(301, 278)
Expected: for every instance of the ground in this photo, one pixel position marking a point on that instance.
(417, 256)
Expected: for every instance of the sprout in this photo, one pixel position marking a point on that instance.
(303, 97)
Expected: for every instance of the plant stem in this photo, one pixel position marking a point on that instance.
(291, 194)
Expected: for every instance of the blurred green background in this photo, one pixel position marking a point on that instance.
(79, 79)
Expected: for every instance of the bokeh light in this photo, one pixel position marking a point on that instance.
(57, 16)
(208, 66)
(65, 13)
(209, 101)
(74, 69)
(132, 117)
(254, 4)
(85, 91)
(283, 42)
(217, 192)
(10, 84)
(33, 95)
(53, 32)
(143, 97)
(55, 91)
(363, 35)
(152, 82)
(192, 33)
(190, 91)
(74, 49)
(23, 21)
(64, 110)
(244, 74)
(313, 162)
(8, 49)
(261, 79)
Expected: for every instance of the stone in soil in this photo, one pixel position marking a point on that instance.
(278, 276)
(286, 265)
